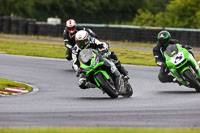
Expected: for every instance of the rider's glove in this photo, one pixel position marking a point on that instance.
(158, 61)
(103, 48)
(187, 47)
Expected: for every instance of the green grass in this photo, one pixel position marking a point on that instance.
(28, 48)
(5, 83)
(96, 130)
(131, 44)
(128, 52)
(135, 57)
(44, 49)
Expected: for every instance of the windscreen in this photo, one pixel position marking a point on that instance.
(171, 50)
(85, 55)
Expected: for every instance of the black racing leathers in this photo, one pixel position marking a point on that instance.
(69, 40)
(158, 51)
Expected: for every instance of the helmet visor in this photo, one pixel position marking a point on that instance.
(71, 29)
(163, 41)
(82, 43)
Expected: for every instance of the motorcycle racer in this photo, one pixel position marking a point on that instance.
(163, 41)
(84, 40)
(69, 36)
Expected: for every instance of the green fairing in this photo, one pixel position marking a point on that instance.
(185, 68)
(93, 68)
(104, 73)
(84, 66)
(174, 68)
(170, 65)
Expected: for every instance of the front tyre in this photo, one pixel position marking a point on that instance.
(106, 86)
(191, 79)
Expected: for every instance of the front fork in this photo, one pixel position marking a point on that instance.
(195, 64)
(104, 74)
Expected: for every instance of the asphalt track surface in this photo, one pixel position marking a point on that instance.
(60, 103)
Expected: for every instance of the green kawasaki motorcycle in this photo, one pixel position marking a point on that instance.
(183, 66)
(91, 64)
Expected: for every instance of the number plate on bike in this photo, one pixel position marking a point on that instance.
(177, 59)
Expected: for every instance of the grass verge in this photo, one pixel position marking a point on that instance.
(96, 130)
(128, 53)
(5, 83)
(27, 48)
(135, 57)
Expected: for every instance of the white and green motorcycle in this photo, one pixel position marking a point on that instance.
(183, 66)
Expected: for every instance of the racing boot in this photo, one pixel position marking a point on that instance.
(122, 70)
(90, 85)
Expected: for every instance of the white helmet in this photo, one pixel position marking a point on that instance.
(71, 26)
(82, 38)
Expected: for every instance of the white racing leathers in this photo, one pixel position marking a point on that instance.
(94, 44)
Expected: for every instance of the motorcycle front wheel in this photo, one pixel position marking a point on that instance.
(191, 79)
(106, 86)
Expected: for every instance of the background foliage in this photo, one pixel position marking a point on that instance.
(178, 13)
(164, 13)
(85, 11)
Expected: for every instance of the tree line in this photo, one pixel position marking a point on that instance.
(177, 13)
(164, 13)
(84, 11)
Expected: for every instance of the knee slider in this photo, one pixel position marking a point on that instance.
(82, 83)
(161, 78)
(68, 57)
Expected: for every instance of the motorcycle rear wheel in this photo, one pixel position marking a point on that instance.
(192, 80)
(106, 86)
(129, 91)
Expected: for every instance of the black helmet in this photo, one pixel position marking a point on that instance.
(164, 37)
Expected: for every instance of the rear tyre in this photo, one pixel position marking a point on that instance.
(192, 80)
(106, 86)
